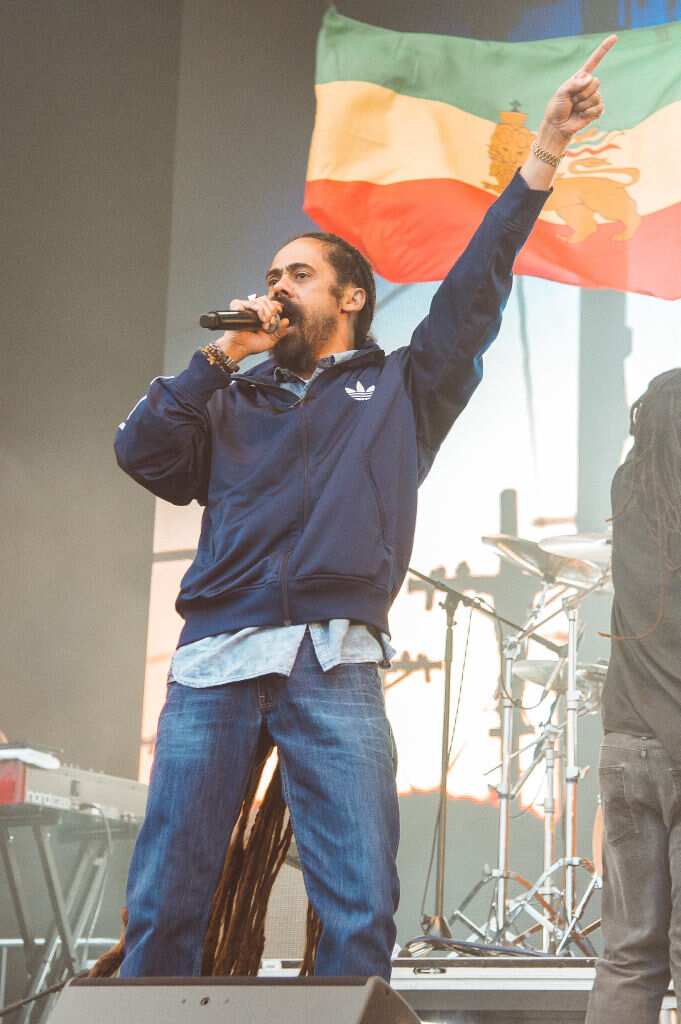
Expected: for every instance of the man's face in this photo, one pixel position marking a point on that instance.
(304, 282)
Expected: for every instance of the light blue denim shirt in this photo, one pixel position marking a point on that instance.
(259, 650)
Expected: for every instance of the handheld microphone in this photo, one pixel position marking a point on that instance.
(231, 320)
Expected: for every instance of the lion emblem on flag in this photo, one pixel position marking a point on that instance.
(579, 196)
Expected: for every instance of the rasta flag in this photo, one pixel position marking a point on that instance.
(415, 136)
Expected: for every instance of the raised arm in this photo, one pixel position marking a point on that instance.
(444, 359)
(574, 105)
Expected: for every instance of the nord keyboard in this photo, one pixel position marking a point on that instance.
(71, 789)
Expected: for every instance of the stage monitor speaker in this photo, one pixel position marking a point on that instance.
(230, 1001)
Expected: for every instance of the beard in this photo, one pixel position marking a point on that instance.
(298, 351)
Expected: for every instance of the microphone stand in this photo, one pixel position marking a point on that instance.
(435, 925)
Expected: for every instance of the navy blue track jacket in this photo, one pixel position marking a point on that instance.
(310, 503)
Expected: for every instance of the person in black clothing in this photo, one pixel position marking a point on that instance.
(640, 763)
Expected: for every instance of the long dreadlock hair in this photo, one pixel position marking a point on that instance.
(235, 937)
(655, 424)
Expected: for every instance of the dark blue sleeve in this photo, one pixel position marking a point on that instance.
(165, 443)
(444, 358)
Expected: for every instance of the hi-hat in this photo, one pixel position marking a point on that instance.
(586, 547)
(530, 557)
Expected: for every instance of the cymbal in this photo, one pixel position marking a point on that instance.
(549, 674)
(586, 547)
(528, 556)
(553, 676)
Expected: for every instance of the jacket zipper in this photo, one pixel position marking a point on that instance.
(306, 489)
(306, 465)
(306, 481)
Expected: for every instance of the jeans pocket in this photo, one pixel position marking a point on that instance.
(618, 818)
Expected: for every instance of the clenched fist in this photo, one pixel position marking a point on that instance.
(239, 344)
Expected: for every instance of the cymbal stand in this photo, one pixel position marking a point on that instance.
(506, 792)
(504, 788)
(547, 749)
(496, 927)
(551, 752)
(570, 862)
(572, 772)
(436, 926)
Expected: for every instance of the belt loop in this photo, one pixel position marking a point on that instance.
(644, 748)
(265, 697)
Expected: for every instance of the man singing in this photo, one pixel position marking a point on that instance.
(640, 762)
(308, 468)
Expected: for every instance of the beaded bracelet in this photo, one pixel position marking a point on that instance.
(216, 357)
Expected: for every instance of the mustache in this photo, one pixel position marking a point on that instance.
(290, 310)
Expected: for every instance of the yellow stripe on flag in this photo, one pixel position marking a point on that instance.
(365, 132)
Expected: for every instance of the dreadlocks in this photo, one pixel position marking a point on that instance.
(351, 267)
(235, 937)
(655, 424)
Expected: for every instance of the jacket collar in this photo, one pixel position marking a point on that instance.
(264, 373)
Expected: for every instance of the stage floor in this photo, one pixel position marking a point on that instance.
(491, 990)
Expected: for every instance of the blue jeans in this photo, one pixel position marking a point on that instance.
(641, 795)
(335, 750)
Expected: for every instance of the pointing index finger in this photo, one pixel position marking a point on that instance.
(598, 54)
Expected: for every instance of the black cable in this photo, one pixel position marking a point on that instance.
(11, 1007)
(492, 904)
(105, 878)
(458, 699)
(530, 805)
(477, 948)
(430, 862)
(436, 827)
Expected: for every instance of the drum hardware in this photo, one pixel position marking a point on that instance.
(585, 547)
(552, 676)
(559, 925)
(532, 558)
(573, 697)
(436, 926)
(496, 929)
(558, 568)
(554, 937)
(558, 912)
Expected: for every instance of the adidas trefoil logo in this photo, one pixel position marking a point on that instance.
(362, 394)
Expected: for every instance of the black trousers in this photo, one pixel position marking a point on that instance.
(641, 795)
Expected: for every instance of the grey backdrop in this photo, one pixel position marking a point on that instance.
(154, 157)
(89, 98)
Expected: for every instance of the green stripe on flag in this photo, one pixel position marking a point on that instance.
(640, 75)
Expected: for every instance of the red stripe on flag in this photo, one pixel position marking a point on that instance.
(414, 231)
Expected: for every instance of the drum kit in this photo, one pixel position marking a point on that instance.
(546, 918)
